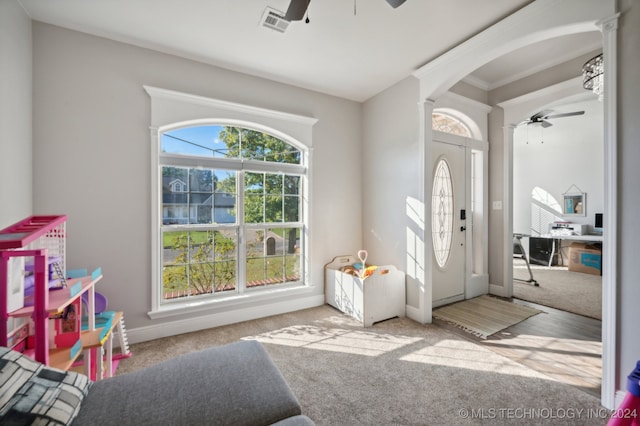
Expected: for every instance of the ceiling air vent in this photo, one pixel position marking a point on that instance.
(274, 20)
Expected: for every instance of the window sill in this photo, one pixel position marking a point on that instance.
(211, 305)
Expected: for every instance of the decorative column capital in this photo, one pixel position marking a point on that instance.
(609, 24)
(427, 105)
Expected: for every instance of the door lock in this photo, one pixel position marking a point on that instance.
(463, 228)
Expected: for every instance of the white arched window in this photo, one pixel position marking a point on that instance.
(545, 210)
(448, 124)
(229, 203)
(223, 197)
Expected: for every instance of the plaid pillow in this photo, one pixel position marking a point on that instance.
(34, 394)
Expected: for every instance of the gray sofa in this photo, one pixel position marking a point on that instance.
(235, 384)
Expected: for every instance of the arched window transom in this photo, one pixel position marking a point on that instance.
(448, 124)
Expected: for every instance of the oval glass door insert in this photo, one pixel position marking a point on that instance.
(442, 213)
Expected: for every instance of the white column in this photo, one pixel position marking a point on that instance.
(609, 28)
(426, 132)
(507, 211)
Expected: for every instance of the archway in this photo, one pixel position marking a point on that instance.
(540, 20)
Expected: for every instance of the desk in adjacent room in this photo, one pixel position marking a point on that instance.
(574, 238)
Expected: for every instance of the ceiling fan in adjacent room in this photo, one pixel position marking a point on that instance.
(298, 8)
(542, 117)
(545, 115)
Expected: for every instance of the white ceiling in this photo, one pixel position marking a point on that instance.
(351, 48)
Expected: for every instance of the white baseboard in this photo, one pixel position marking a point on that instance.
(497, 290)
(172, 328)
(416, 314)
(448, 300)
(619, 397)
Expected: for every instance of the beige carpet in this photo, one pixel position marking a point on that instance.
(484, 315)
(561, 289)
(397, 372)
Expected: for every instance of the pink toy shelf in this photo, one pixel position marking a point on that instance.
(35, 285)
(22, 233)
(32, 251)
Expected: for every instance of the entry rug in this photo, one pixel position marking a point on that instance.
(485, 315)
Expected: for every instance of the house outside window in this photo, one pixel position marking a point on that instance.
(232, 203)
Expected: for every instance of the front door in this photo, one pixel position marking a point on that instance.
(448, 222)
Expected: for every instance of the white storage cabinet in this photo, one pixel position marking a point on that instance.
(376, 298)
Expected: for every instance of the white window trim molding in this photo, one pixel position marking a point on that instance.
(171, 109)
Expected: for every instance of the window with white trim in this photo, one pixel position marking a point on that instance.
(545, 210)
(231, 208)
(221, 219)
(448, 124)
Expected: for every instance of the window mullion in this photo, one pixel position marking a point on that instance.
(261, 166)
(241, 270)
(191, 161)
(264, 198)
(188, 266)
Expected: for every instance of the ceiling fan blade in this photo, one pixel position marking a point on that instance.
(566, 114)
(542, 114)
(395, 3)
(297, 9)
(545, 124)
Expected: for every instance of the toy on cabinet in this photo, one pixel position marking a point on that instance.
(367, 293)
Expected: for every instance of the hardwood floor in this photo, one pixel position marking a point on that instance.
(564, 346)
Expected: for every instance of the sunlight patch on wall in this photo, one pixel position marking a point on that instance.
(415, 243)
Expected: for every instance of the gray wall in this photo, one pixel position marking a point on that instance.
(92, 156)
(391, 178)
(496, 193)
(15, 113)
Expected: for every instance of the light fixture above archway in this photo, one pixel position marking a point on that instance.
(593, 76)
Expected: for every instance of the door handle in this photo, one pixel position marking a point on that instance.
(463, 228)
